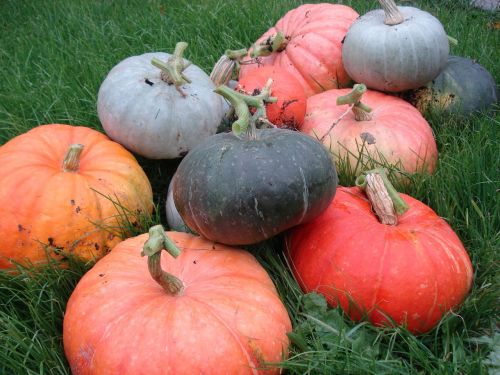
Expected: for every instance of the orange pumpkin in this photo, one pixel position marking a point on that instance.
(394, 133)
(289, 110)
(213, 310)
(309, 46)
(55, 180)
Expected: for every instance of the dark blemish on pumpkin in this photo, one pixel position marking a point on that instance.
(286, 103)
(183, 153)
(20, 228)
(307, 14)
(194, 261)
(368, 138)
(157, 113)
(256, 92)
(101, 275)
(96, 245)
(72, 202)
(178, 136)
(78, 209)
(148, 82)
(51, 241)
(342, 42)
(213, 247)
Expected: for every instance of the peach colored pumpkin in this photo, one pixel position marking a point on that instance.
(312, 51)
(49, 205)
(217, 311)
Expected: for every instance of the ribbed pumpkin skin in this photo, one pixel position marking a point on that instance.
(227, 320)
(288, 112)
(413, 272)
(314, 51)
(397, 133)
(395, 58)
(149, 116)
(464, 86)
(42, 205)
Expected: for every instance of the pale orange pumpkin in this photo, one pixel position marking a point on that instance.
(307, 42)
(212, 310)
(393, 134)
(55, 180)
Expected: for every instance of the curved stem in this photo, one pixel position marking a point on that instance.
(393, 15)
(157, 242)
(71, 161)
(386, 201)
(361, 110)
(172, 70)
(276, 43)
(241, 102)
(227, 66)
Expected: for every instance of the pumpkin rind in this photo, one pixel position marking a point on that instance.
(43, 208)
(227, 320)
(242, 191)
(149, 116)
(413, 272)
(397, 134)
(395, 58)
(288, 112)
(314, 51)
(464, 86)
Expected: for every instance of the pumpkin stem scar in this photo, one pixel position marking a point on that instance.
(393, 15)
(386, 201)
(71, 161)
(158, 241)
(246, 123)
(171, 71)
(227, 66)
(276, 43)
(361, 110)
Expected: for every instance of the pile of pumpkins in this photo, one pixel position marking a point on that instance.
(378, 254)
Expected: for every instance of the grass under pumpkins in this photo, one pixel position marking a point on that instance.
(327, 175)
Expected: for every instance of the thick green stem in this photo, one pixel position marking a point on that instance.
(393, 15)
(241, 102)
(361, 110)
(172, 70)
(386, 201)
(71, 161)
(276, 43)
(157, 242)
(236, 54)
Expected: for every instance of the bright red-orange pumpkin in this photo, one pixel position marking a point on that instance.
(54, 181)
(394, 133)
(412, 272)
(217, 311)
(288, 112)
(312, 49)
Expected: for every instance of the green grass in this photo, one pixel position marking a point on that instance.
(54, 55)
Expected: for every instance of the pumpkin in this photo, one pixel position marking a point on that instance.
(307, 42)
(159, 111)
(212, 310)
(409, 270)
(395, 49)
(246, 186)
(289, 110)
(393, 133)
(174, 219)
(464, 86)
(65, 190)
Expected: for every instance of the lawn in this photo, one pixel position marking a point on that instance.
(54, 56)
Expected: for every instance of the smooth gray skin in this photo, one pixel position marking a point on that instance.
(154, 120)
(174, 219)
(395, 58)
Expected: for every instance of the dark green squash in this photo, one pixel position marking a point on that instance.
(463, 87)
(243, 189)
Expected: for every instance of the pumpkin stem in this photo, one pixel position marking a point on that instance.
(71, 161)
(157, 242)
(386, 201)
(393, 15)
(361, 111)
(227, 66)
(246, 122)
(171, 71)
(276, 43)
